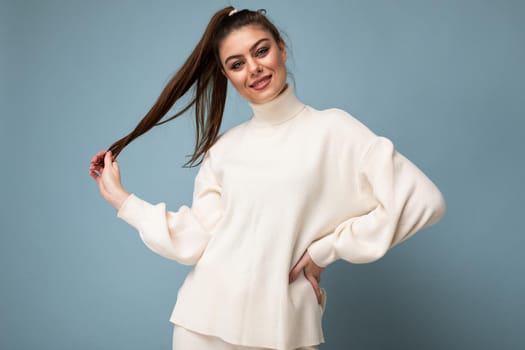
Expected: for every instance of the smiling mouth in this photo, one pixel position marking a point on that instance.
(261, 83)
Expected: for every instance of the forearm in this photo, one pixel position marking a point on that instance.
(174, 235)
(407, 201)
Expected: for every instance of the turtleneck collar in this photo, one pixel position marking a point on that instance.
(282, 108)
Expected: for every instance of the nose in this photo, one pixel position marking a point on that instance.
(253, 66)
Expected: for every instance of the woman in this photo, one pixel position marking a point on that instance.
(276, 199)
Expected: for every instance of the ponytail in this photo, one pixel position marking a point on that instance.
(202, 72)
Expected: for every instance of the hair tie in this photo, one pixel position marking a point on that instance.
(259, 11)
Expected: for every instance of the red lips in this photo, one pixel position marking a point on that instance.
(261, 83)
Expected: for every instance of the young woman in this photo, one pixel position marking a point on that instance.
(276, 199)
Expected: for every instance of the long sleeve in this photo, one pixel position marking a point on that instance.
(407, 200)
(182, 235)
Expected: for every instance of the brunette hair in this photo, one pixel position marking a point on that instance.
(201, 72)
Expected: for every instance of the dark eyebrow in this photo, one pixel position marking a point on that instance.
(251, 49)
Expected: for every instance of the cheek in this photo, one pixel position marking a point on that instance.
(279, 63)
(236, 80)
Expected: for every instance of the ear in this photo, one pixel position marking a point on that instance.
(282, 47)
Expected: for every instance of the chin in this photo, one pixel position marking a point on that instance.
(268, 94)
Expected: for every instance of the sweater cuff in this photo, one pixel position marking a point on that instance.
(132, 210)
(322, 251)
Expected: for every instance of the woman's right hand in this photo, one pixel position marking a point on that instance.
(107, 177)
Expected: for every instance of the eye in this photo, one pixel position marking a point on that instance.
(236, 65)
(262, 51)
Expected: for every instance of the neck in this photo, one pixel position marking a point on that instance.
(282, 108)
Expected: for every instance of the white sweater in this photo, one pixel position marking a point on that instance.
(290, 178)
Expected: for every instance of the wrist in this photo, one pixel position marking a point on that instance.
(119, 199)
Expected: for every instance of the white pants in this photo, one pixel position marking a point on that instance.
(184, 339)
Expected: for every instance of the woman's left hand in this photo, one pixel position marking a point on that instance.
(312, 272)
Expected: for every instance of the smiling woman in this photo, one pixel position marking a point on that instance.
(254, 231)
(255, 63)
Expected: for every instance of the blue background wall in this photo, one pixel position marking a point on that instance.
(442, 79)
